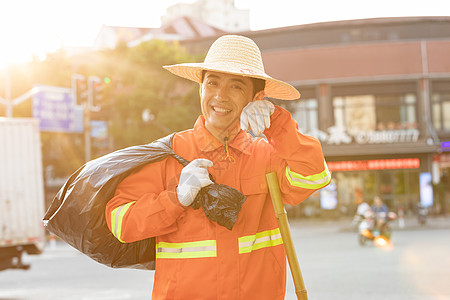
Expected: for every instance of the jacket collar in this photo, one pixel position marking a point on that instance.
(207, 142)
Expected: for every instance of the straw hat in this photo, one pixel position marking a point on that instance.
(239, 55)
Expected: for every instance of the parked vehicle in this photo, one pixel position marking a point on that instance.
(21, 191)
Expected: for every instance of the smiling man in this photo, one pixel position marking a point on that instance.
(195, 257)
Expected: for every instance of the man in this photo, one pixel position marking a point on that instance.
(363, 209)
(195, 257)
(363, 218)
(380, 211)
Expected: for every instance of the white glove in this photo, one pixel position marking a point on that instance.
(193, 177)
(256, 116)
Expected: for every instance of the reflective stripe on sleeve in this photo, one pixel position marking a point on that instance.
(199, 249)
(312, 182)
(116, 219)
(260, 240)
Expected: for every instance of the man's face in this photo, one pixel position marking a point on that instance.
(377, 201)
(223, 96)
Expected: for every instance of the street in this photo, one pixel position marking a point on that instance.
(334, 267)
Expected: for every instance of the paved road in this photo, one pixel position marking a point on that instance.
(334, 267)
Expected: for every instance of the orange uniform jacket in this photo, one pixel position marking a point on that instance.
(197, 258)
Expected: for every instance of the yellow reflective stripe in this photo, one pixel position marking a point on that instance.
(260, 240)
(312, 182)
(207, 248)
(116, 219)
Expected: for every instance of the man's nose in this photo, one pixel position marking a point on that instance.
(222, 94)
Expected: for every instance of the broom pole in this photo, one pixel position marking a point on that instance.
(281, 216)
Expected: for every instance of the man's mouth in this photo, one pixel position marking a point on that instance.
(221, 110)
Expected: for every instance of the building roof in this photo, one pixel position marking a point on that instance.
(342, 32)
(188, 27)
(178, 29)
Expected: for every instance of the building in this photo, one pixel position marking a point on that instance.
(376, 92)
(180, 28)
(222, 14)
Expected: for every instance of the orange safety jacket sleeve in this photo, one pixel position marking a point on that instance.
(144, 207)
(303, 167)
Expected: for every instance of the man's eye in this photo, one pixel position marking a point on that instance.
(236, 86)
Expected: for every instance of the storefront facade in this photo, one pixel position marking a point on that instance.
(374, 138)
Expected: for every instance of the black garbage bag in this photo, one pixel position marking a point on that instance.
(220, 203)
(77, 213)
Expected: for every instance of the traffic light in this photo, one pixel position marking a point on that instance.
(97, 88)
(79, 89)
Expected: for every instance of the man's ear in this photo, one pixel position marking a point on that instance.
(259, 95)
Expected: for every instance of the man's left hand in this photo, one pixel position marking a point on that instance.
(256, 116)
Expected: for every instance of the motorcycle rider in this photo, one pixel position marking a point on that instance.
(363, 210)
(380, 211)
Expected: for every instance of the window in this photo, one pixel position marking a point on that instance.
(375, 112)
(305, 112)
(440, 105)
(355, 113)
(396, 112)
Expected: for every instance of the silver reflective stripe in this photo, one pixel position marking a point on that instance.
(117, 218)
(198, 249)
(260, 240)
(315, 181)
(187, 249)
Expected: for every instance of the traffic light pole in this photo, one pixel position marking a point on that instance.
(80, 95)
(90, 106)
(88, 100)
(87, 133)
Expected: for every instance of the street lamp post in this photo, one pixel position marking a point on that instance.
(7, 102)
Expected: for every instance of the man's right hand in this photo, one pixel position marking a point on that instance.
(256, 116)
(193, 177)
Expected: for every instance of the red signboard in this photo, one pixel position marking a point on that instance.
(376, 164)
(444, 157)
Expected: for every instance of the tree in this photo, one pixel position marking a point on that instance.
(138, 84)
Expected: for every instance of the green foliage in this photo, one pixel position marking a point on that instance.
(139, 83)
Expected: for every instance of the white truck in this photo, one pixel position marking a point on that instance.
(21, 191)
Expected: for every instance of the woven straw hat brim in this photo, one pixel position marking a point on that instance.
(274, 88)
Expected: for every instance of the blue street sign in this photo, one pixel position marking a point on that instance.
(53, 106)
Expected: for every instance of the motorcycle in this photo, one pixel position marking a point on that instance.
(368, 231)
